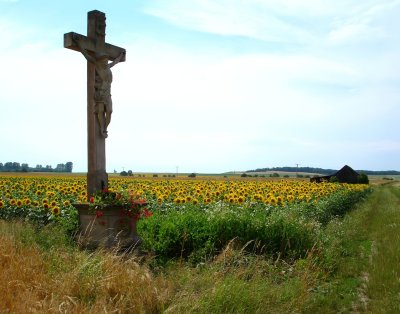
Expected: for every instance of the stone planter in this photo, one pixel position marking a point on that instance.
(108, 227)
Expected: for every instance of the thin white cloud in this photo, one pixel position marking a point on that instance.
(296, 22)
(232, 18)
(369, 23)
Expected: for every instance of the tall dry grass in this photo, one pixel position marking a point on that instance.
(72, 281)
(36, 277)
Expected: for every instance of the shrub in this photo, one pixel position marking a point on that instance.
(333, 179)
(363, 179)
(336, 204)
(198, 234)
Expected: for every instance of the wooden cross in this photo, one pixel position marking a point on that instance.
(99, 105)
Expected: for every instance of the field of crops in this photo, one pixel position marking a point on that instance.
(194, 216)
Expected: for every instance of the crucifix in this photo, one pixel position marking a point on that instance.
(98, 53)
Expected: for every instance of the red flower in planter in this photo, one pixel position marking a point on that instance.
(147, 213)
(99, 214)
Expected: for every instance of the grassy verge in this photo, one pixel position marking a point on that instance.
(352, 268)
(383, 274)
(365, 257)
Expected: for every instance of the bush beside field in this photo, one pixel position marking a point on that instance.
(197, 234)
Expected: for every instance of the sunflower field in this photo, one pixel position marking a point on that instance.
(195, 218)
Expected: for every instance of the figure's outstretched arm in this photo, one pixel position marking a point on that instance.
(83, 50)
(118, 59)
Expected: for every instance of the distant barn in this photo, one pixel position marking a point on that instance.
(344, 175)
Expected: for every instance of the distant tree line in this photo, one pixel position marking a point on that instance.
(129, 173)
(323, 171)
(296, 169)
(271, 175)
(17, 167)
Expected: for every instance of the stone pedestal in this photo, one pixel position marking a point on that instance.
(107, 227)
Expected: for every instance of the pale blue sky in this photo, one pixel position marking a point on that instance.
(209, 86)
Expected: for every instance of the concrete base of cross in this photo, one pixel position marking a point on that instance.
(109, 227)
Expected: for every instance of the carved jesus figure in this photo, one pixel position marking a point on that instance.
(102, 86)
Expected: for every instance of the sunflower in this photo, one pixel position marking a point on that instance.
(13, 202)
(56, 211)
(1, 203)
(290, 198)
(177, 201)
(20, 203)
(272, 200)
(67, 203)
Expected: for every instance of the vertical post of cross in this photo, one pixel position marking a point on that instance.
(97, 178)
(99, 103)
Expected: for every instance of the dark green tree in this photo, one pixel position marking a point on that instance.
(68, 166)
(24, 167)
(363, 179)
